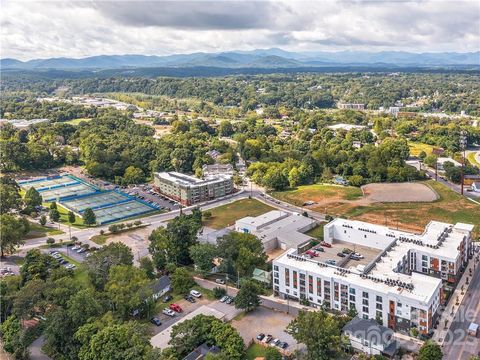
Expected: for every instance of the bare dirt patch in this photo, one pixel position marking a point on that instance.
(399, 192)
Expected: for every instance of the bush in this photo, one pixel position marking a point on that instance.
(50, 241)
(113, 228)
(129, 225)
(121, 226)
(219, 292)
(137, 223)
(102, 232)
(43, 220)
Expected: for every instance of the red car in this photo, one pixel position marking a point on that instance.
(323, 243)
(176, 307)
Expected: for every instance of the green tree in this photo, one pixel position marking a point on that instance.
(71, 217)
(127, 341)
(241, 253)
(272, 354)
(319, 331)
(54, 215)
(50, 241)
(99, 263)
(32, 197)
(430, 351)
(13, 231)
(225, 128)
(247, 298)
(126, 288)
(89, 217)
(53, 205)
(11, 330)
(10, 196)
(83, 306)
(133, 175)
(146, 265)
(43, 220)
(294, 177)
(182, 281)
(202, 256)
(36, 265)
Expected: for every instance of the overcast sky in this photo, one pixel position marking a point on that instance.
(34, 29)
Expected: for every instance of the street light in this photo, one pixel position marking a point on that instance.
(463, 145)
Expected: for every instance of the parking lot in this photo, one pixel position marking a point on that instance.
(268, 322)
(331, 253)
(147, 193)
(167, 321)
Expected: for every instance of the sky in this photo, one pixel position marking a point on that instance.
(44, 29)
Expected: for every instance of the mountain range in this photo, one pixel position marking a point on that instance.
(260, 58)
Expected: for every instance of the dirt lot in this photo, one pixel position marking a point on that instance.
(399, 192)
(263, 320)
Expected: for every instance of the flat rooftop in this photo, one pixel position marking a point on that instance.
(187, 180)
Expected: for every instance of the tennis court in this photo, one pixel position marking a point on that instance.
(121, 211)
(58, 187)
(94, 201)
(77, 195)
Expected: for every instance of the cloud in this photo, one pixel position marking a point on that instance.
(34, 29)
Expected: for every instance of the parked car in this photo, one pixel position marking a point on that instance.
(283, 345)
(358, 255)
(76, 247)
(275, 342)
(320, 249)
(323, 243)
(81, 250)
(355, 257)
(195, 293)
(341, 254)
(156, 321)
(260, 336)
(189, 298)
(331, 262)
(224, 298)
(230, 300)
(267, 339)
(70, 266)
(176, 307)
(168, 312)
(347, 251)
(311, 253)
(167, 298)
(220, 281)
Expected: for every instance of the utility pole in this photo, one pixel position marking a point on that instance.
(463, 145)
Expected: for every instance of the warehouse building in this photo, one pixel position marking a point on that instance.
(401, 286)
(189, 190)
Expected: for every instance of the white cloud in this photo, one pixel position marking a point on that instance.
(32, 29)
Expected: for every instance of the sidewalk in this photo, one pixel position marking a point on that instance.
(452, 306)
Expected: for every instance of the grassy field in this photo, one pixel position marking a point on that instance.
(318, 193)
(227, 214)
(472, 160)
(417, 148)
(316, 232)
(99, 239)
(255, 350)
(77, 121)
(64, 218)
(450, 207)
(37, 230)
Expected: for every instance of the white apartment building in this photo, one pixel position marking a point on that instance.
(402, 285)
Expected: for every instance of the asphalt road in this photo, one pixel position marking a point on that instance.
(458, 344)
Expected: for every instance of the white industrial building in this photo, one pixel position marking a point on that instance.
(402, 285)
(278, 229)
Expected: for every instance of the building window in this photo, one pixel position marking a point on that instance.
(276, 281)
(365, 302)
(365, 309)
(365, 294)
(352, 291)
(275, 267)
(379, 306)
(379, 298)
(287, 277)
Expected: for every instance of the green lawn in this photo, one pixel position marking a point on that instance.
(416, 148)
(227, 214)
(472, 160)
(77, 121)
(255, 350)
(64, 218)
(99, 239)
(316, 232)
(317, 193)
(37, 230)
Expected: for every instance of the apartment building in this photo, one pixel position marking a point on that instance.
(351, 106)
(189, 190)
(401, 284)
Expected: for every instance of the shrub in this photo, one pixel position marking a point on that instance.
(113, 228)
(102, 232)
(50, 241)
(43, 220)
(137, 223)
(129, 225)
(219, 292)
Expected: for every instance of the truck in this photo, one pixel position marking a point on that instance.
(473, 329)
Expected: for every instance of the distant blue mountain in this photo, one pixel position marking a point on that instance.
(259, 58)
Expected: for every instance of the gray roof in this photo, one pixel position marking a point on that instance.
(201, 351)
(161, 284)
(369, 330)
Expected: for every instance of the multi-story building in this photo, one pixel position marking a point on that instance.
(351, 106)
(189, 190)
(399, 281)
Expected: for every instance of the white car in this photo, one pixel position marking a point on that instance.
(168, 312)
(70, 266)
(195, 293)
(76, 247)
